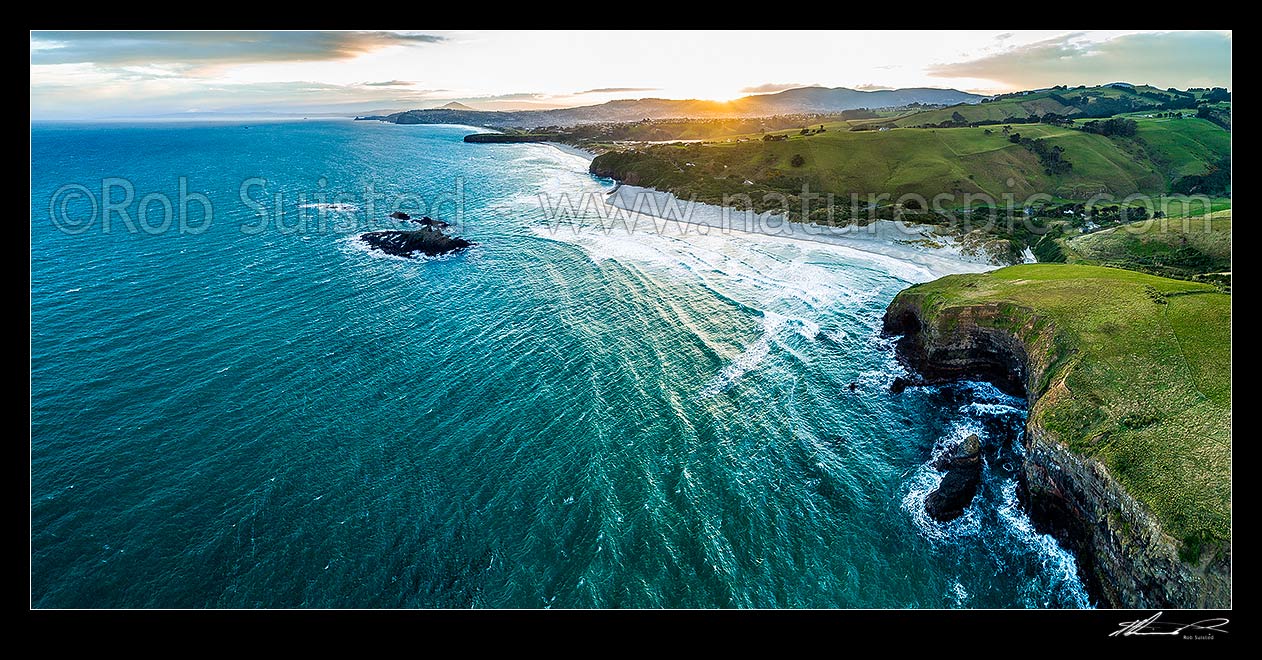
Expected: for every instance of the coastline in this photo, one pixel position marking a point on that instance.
(572, 150)
(930, 254)
(1028, 330)
(906, 242)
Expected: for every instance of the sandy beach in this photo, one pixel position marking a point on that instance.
(572, 150)
(649, 210)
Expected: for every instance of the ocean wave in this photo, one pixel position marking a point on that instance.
(1059, 565)
(926, 478)
(995, 518)
(337, 207)
(747, 360)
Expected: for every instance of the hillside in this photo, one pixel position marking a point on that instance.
(1104, 101)
(927, 162)
(1121, 368)
(805, 100)
(1191, 248)
(1183, 147)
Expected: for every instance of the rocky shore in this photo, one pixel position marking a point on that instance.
(1125, 557)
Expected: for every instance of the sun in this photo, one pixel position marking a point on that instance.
(725, 97)
(718, 94)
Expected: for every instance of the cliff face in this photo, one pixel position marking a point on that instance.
(1125, 557)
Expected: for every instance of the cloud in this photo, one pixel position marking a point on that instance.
(76, 86)
(515, 96)
(871, 87)
(616, 90)
(121, 48)
(389, 83)
(1178, 59)
(768, 88)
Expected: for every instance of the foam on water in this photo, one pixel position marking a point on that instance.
(340, 207)
(558, 418)
(995, 518)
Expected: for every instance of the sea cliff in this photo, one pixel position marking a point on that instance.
(1054, 334)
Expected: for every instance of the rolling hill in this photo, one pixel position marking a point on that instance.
(1103, 101)
(803, 100)
(926, 162)
(1186, 248)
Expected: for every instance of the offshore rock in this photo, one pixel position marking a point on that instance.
(963, 474)
(427, 241)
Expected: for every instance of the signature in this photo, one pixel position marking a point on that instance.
(1154, 626)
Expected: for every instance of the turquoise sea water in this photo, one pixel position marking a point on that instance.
(271, 416)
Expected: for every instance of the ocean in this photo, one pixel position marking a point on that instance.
(234, 404)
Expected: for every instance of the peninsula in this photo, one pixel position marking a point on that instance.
(1128, 441)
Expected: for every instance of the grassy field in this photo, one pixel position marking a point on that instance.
(1033, 103)
(667, 130)
(1174, 247)
(928, 162)
(1181, 147)
(1141, 380)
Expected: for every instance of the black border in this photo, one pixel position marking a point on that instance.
(833, 631)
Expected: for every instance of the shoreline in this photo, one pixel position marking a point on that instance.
(1012, 331)
(572, 150)
(911, 244)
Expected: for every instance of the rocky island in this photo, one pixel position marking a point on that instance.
(429, 240)
(1127, 444)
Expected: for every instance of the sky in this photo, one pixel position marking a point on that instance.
(98, 74)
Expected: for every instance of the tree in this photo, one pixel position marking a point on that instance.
(1015, 138)
(1115, 127)
(958, 118)
(797, 160)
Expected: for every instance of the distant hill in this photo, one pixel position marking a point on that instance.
(835, 99)
(455, 105)
(802, 100)
(1102, 101)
